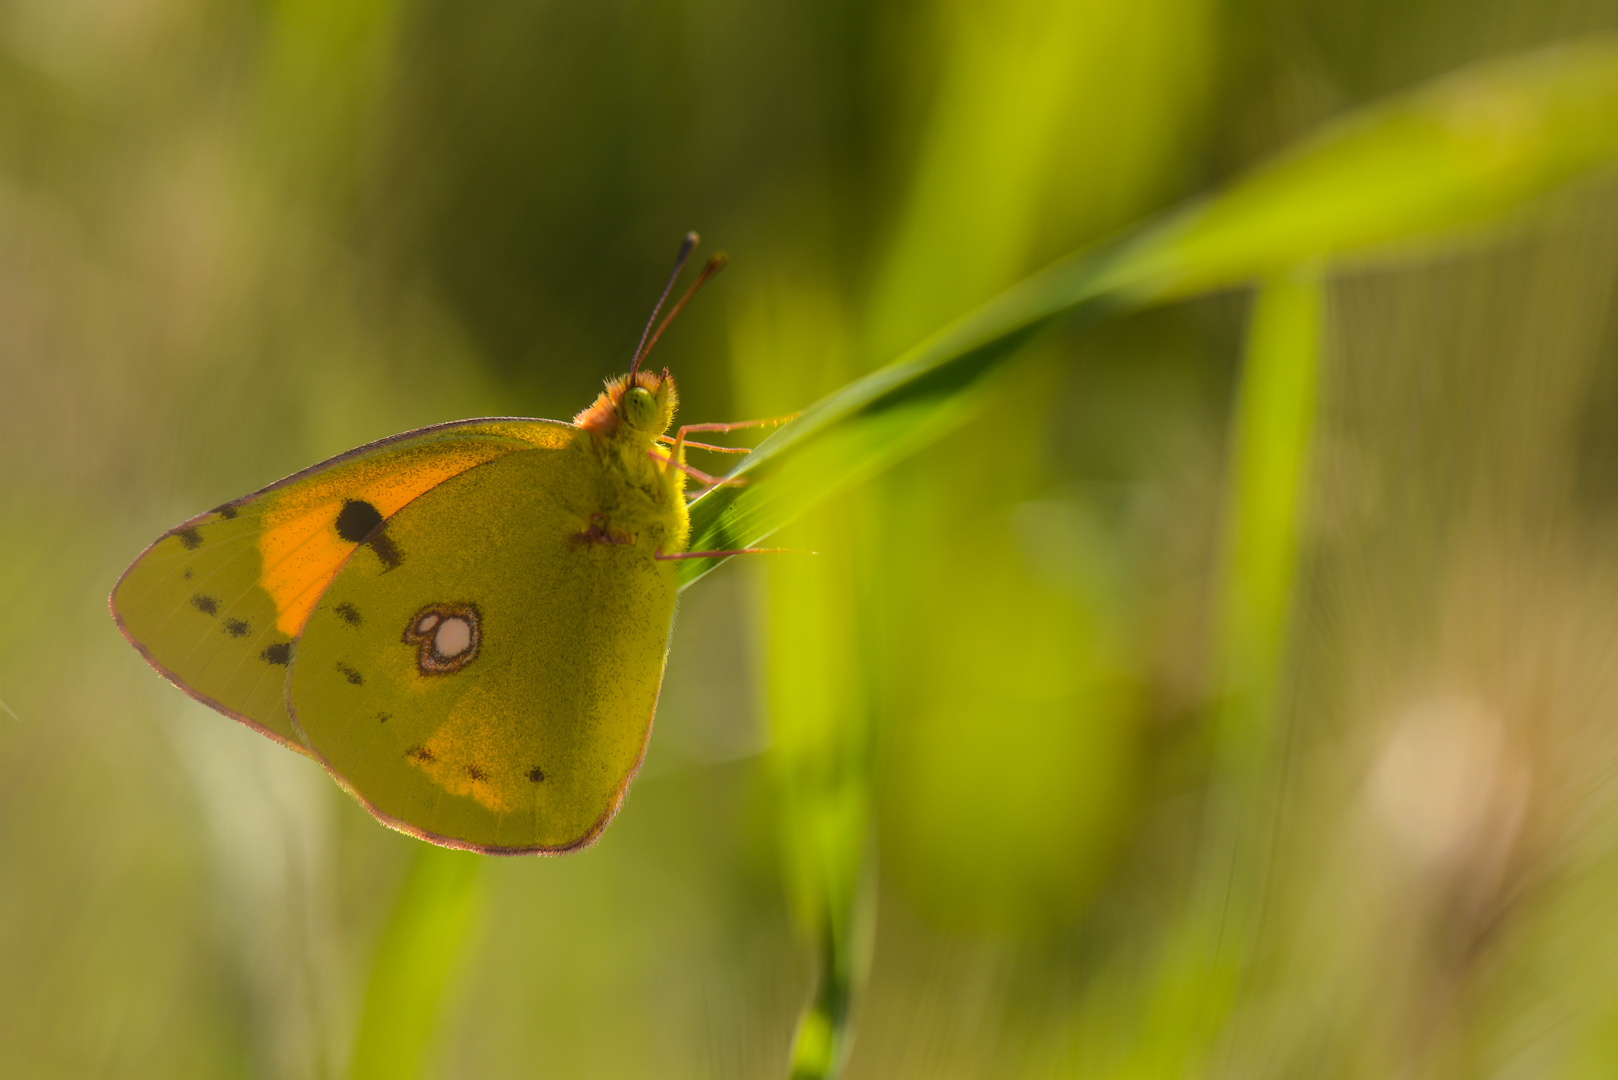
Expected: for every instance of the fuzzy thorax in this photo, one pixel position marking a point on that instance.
(626, 421)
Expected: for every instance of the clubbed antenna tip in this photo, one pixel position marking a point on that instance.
(687, 246)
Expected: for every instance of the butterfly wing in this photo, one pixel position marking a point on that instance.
(492, 687)
(216, 604)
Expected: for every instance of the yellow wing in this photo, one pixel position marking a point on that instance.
(217, 603)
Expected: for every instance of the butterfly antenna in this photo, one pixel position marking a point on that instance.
(715, 264)
(686, 247)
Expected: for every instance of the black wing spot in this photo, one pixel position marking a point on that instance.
(536, 774)
(356, 520)
(208, 605)
(348, 613)
(475, 774)
(383, 717)
(421, 754)
(279, 653)
(236, 628)
(187, 574)
(190, 538)
(227, 511)
(384, 549)
(349, 673)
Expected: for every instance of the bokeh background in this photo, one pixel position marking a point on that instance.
(239, 236)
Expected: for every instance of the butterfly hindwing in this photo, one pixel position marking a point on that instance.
(217, 604)
(493, 686)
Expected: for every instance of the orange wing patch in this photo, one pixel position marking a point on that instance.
(470, 754)
(311, 531)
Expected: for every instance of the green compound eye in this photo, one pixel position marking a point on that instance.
(639, 408)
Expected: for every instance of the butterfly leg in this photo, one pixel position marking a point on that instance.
(675, 458)
(693, 444)
(736, 425)
(708, 482)
(679, 440)
(733, 551)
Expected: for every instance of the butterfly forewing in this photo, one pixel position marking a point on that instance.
(217, 604)
(487, 676)
(193, 606)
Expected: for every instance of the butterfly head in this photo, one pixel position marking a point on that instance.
(639, 406)
(646, 402)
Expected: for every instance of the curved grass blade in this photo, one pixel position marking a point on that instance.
(1454, 155)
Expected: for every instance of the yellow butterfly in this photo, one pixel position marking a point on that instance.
(466, 624)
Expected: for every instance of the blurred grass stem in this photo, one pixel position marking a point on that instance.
(415, 960)
(1209, 953)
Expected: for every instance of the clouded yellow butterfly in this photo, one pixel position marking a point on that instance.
(466, 624)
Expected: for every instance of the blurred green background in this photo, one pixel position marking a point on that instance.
(1195, 710)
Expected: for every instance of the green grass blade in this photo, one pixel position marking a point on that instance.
(1210, 949)
(1461, 152)
(1458, 153)
(820, 1043)
(820, 762)
(425, 936)
(1271, 438)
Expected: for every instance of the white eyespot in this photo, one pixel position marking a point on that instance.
(446, 637)
(453, 638)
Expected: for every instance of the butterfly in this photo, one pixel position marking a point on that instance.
(465, 624)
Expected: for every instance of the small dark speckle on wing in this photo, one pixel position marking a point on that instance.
(191, 538)
(385, 550)
(349, 673)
